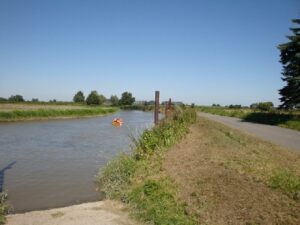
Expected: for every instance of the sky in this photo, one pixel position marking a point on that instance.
(195, 51)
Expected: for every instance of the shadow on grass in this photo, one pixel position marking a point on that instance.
(270, 118)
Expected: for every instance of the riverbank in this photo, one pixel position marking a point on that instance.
(287, 119)
(215, 175)
(95, 213)
(28, 112)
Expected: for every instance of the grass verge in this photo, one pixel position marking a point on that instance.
(278, 118)
(224, 177)
(17, 115)
(137, 179)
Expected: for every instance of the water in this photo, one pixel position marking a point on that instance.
(49, 164)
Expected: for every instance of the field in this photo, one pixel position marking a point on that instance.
(288, 119)
(207, 174)
(38, 111)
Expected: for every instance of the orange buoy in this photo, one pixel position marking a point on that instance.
(117, 122)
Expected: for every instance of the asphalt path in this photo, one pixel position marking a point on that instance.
(278, 135)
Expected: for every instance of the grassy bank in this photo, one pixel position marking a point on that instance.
(12, 112)
(185, 171)
(137, 179)
(226, 177)
(3, 207)
(275, 117)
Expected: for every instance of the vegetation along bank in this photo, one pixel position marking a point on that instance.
(289, 119)
(169, 179)
(18, 112)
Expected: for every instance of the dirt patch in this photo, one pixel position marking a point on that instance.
(222, 176)
(96, 213)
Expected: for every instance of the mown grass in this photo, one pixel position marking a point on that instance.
(3, 207)
(137, 180)
(277, 168)
(54, 113)
(288, 119)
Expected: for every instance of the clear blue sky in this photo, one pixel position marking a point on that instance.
(193, 51)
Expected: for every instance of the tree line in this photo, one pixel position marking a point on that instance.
(98, 99)
(92, 99)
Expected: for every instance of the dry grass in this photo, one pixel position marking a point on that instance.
(8, 107)
(226, 177)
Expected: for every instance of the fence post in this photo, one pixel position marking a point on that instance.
(156, 110)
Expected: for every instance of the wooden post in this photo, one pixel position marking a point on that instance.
(156, 110)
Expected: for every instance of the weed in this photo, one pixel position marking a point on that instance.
(115, 177)
(3, 207)
(285, 180)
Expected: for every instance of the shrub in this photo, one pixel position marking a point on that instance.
(265, 106)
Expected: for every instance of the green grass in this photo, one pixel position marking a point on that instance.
(3, 207)
(53, 113)
(275, 117)
(285, 180)
(137, 180)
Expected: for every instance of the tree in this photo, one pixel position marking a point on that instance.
(265, 106)
(3, 99)
(35, 100)
(102, 99)
(16, 98)
(127, 99)
(290, 59)
(95, 99)
(79, 97)
(114, 100)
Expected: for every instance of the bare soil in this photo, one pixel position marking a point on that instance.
(96, 213)
(222, 175)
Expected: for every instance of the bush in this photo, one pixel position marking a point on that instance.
(265, 106)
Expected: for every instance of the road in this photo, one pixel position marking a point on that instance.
(281, 136)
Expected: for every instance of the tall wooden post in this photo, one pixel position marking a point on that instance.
(156, 110)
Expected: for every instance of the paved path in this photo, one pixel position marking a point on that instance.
(277, 135)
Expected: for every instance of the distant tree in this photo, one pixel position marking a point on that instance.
(127, 99)
(35, 100)
(79, 97)
(16, 98)
(216, 105)
(52, 100)
(253, 106)
(114, 100)
(102, 99)
(3, 99)
(193, 105)
(235, 106)
(290, 58)
(265, 106)
(95, 99)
